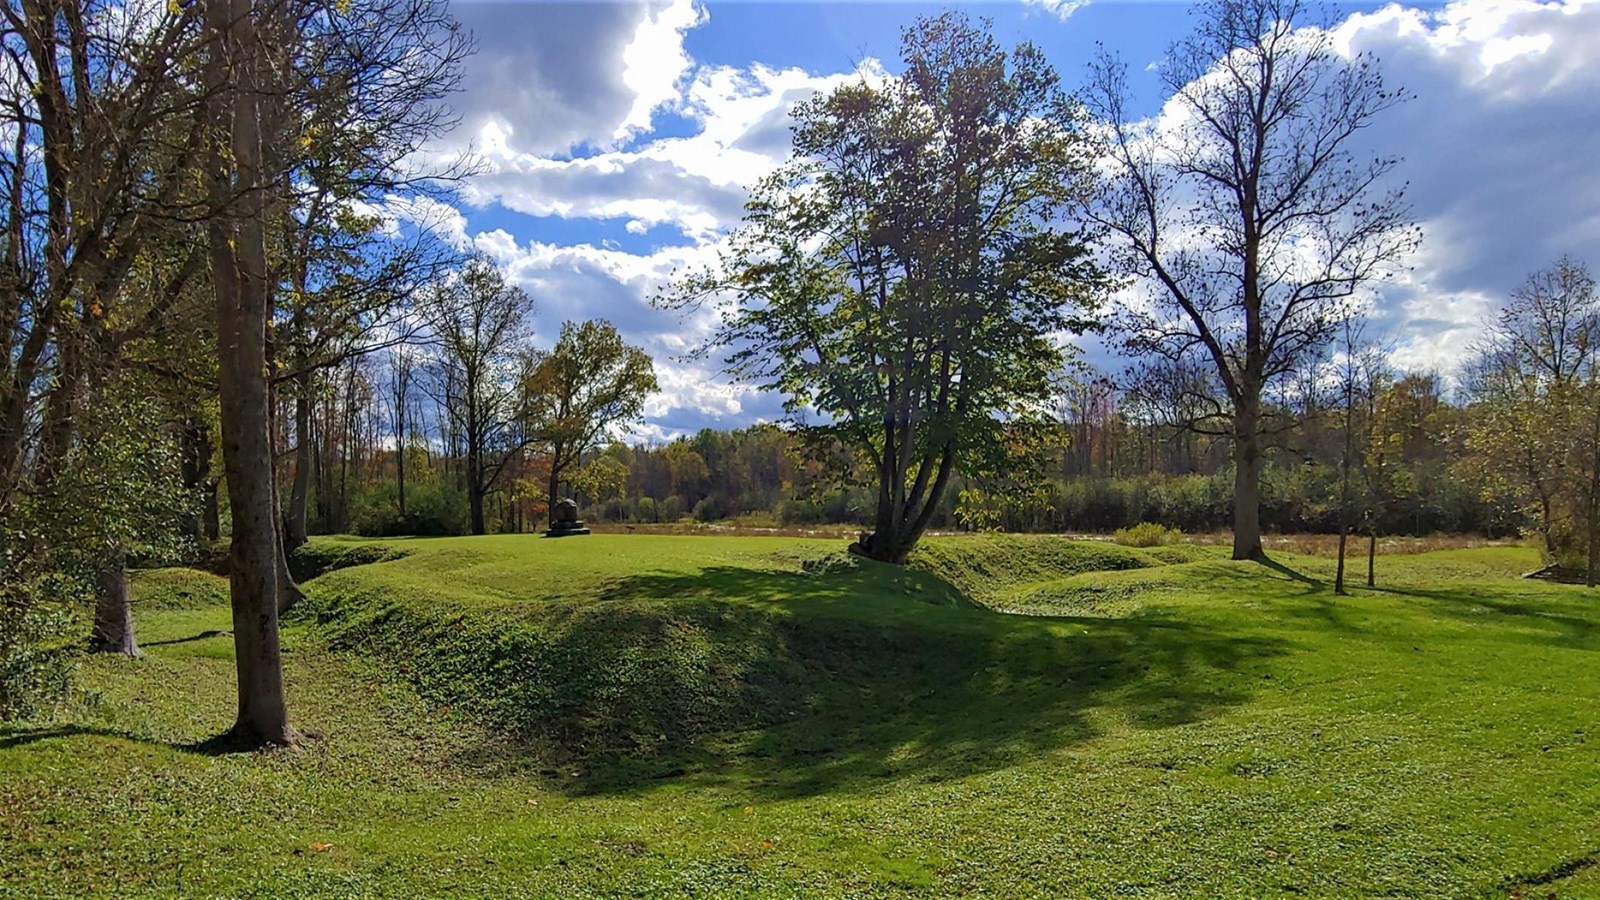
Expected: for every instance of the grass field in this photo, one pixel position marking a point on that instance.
(660, 715)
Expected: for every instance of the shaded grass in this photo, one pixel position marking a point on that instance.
(1210, 728)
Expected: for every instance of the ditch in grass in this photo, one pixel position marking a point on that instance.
(765, 717)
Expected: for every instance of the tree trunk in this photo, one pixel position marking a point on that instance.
(113, 612)
(294, 525)
(1344, 478)
(553, 488)
(1372, 556)
(1592, 537)
(237, 249)
(400, 465)
(211, 518)
(1246, 487)
(475, 493)
(1338, 578)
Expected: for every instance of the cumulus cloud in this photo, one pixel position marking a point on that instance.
(1498, 145)
(696, 183)
(549, 78)
(1061, 9)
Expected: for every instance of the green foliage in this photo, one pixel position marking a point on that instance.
(905, 276)
(589, 384)
(434, 508)
(116, 493)
(1147, 534)
(37, 623)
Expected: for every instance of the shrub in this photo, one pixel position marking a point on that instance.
(1147, 534)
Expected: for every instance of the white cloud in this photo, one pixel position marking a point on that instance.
(1499, 144)
(1061, 9)
(696, 183)
(654, 62)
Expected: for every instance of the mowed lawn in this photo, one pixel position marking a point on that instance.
(632, 715)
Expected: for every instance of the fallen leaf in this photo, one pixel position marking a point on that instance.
(321, 847)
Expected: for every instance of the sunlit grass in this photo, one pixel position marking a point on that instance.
(746, 716)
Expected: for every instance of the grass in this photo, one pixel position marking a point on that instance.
(632, 715)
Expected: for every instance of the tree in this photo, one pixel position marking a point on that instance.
(241, 100)
(1247, 209)
(401, 366)
(602, 479)
(906, 275)
(1361, 372)
(1533, 386)
(588, 385)
(368, 95)
(479, 323)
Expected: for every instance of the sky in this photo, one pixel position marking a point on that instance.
(616, 141)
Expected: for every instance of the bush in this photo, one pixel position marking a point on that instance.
(1147, 534)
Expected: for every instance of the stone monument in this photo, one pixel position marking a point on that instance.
(565, 522)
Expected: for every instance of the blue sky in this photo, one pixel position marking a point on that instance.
(618, 139)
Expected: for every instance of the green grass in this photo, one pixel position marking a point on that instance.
(764, 717)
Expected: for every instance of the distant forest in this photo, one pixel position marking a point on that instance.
(1118, 460)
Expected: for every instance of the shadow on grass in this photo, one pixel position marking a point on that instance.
(792, 684)
(216, 746)
(1281, 569)
(1558, 621)
(204, 635)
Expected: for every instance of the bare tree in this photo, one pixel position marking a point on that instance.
(401, 365)
(1247, 209)
(479, 323)
(1361, 369)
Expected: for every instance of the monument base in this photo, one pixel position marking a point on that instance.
(566, 529)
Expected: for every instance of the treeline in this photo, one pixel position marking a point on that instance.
(1111, 468)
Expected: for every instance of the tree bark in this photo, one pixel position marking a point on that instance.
(1592, 537)
(1344, 478)
(211, 518)
(1247, 486)
(475, 493)
(1372, 556)
(113, 611)
(294, 525)
(237, 249)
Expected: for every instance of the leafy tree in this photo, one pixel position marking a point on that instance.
(601, 480)
(906, 275)
(1534, 383)
(1248, 209)
(584, 388)
(479, 324)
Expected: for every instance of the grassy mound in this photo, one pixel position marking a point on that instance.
(318, 557)
(1204, 729)
(719, 638)
(995, 568)
(177, 588)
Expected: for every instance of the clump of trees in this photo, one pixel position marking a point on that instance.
(1534, 388)
(906, 275)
